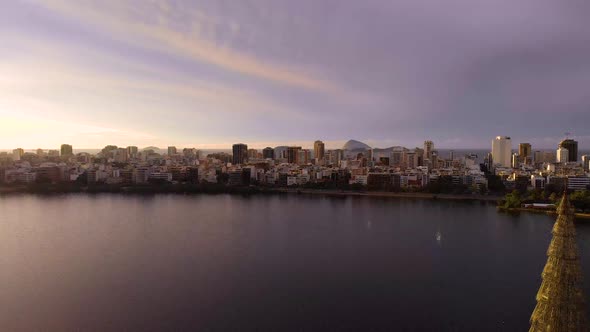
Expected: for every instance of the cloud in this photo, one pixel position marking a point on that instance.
(127, 21)
(395, 72)
(66, 67)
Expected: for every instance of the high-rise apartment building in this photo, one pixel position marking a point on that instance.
(525, 152)
(252, 153)
(586, 162)
(121, 155)
(538, 156)
(172, 150)
(304, 157)
(17, 154)
(66, 150)
(190, 153)
(572, 148)
(333, 157)
(544, 157)
(293, 154)
(515, 160)
(132, 151)
(319, 150)
(562, 155)
(268, 153)
(240, 153)
(428, 149)
(502, 151)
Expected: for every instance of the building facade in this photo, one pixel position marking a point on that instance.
(525, 152)
(428, 149)
(293, 154)
(572, 148)
(562, 155)
(502, 151)
(240, 153)
(319, 150)
(66, 150)
(172, 150)
(268, 153)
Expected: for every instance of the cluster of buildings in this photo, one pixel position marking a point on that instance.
(389, 169)
(526, 168)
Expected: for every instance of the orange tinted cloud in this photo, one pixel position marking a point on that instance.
(152, 29)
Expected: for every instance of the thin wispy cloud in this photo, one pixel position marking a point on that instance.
(150, 24)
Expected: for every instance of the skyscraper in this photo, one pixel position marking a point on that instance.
(586, 162)
(293, 154)
(66, 150)
(525, 152)
(562, 155)
(17, 153)
(240, 153)
(515, 160)
(428, 149)
(502, 151)
(132, 151)
(318, 150)
(268, 153)
(252, 153)
(572, 148)
(303, 157)
(172, 150)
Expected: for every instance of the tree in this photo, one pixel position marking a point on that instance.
(581, 199)
(512, 200)
(535, 195)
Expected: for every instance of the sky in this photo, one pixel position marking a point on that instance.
(209, 73)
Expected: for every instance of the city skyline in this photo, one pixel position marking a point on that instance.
(309, 144)
(269, 73)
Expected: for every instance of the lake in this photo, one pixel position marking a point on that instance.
(268, 263)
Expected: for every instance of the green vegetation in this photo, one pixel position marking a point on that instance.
(580, 200)
(512, 200)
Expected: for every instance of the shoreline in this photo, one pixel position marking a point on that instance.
(387, 194)
(552, 213)
(184, 189)
(253, 190)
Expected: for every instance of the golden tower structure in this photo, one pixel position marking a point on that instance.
(560, 300)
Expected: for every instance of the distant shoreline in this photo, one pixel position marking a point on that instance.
(183, 189)
(387, 194)
(551, 213)
(253, 190)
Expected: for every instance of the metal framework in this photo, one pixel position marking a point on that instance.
(560, 300)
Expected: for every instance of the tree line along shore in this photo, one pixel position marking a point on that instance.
(514, 201)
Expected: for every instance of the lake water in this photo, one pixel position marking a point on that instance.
(268, 263)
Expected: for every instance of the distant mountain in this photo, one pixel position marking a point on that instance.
(151, 148)
(355, 145)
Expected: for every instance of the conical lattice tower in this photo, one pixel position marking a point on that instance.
(560, 300)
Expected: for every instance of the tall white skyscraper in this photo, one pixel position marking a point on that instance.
(502, 151)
